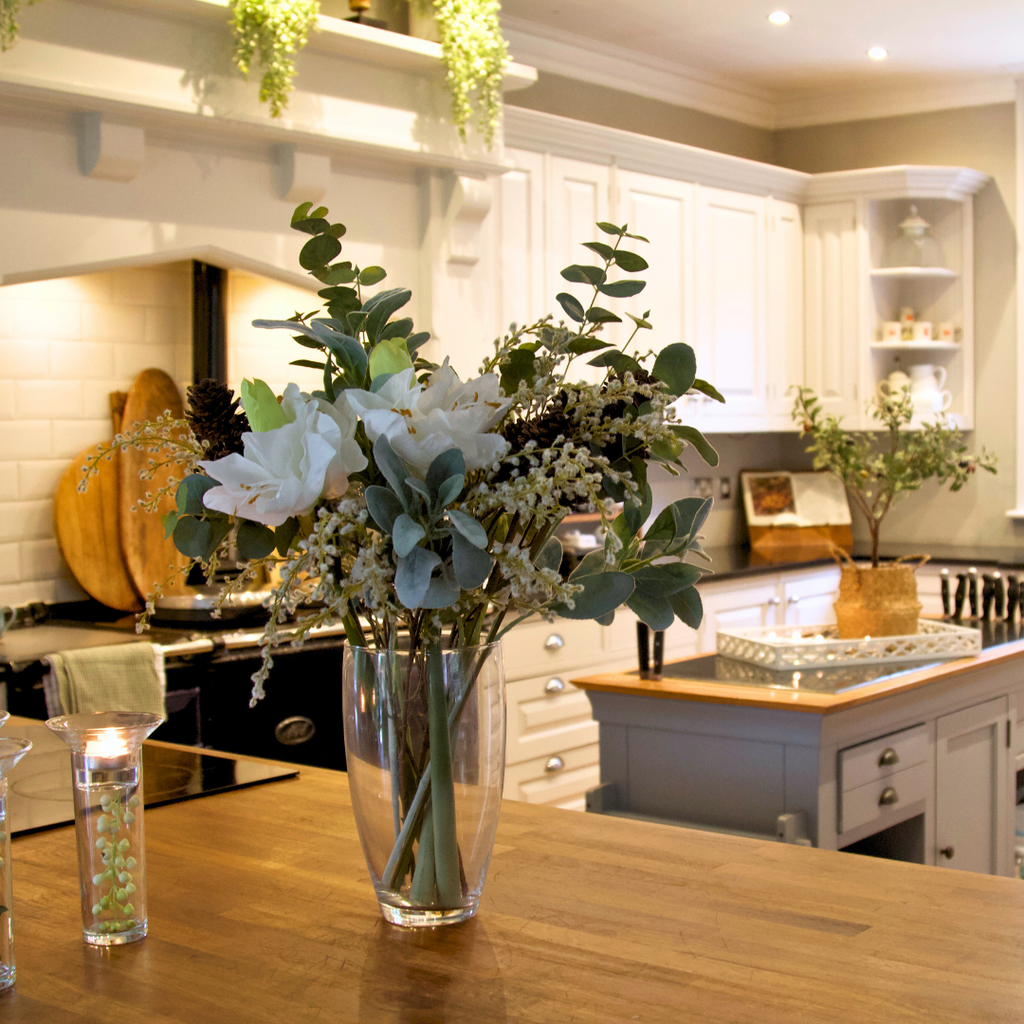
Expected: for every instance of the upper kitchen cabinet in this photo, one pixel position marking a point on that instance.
(731, 307)
(786, 348)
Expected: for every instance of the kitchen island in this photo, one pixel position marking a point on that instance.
(914, 761)
(261, 910)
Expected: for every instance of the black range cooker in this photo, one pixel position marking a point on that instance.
(209, 668)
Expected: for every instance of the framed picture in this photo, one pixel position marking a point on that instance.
(782, 498)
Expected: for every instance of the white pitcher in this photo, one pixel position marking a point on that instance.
(926, 389)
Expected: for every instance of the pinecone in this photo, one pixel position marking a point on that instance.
(213, 415)
(544, 430)
(616, 409)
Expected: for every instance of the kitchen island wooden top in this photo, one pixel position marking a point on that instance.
(705, 691)
(261, 910)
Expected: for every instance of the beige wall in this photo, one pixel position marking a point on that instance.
(614, 108)
(981, 138)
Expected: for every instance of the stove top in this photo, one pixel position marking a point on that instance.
(39, 787)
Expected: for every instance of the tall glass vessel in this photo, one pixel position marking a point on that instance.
(425, 745)
(106, 769)
(11, 752)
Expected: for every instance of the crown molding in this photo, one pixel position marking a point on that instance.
(571, 56)
(580, 140)
(838, 105)
(616, 67)
(918, 181)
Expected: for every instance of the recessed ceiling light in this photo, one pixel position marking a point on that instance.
(778, 17)
(878, 53)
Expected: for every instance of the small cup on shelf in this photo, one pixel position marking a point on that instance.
(922, 330)
(946, 332)
(892, 330)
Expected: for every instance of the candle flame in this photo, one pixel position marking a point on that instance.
(108, 743)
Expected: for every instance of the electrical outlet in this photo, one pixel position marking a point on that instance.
(703, 486)
(724, 488)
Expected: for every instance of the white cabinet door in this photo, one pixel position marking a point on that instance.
(973, 800)
(831, 320)
(661, 210)
(785, 308)
(525, 293)
(808, 601)
(731, 277)
(753, 604)
(577, 197)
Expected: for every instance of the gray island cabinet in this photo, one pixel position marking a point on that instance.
(918, 765)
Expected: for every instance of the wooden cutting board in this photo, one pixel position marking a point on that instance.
(88, 531)
(149, 558)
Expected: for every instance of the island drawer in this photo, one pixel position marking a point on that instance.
(538, 647)
(559, 779)
(545, 715)
(882, 757)
(883, 797)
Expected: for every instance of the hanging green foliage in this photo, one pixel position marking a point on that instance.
(475, 53)
(9, 21)
(270, 31)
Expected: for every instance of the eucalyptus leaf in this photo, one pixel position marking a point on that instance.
(551, 555)
(318, 252)
(442, 592)
(675, 367)
(610, 229)
(449, 491)
(254, 540)
(572, 306)
(598, 315)
(397, 329)
(630, 261)
(655, 611)
(698, 440)
(310, 363)
(415, 341)
(641, 322)
(590, 563)
(285, 534)
(311, 225)
(384, 507)
(418, 486)
(406, 534)
(379, 309)
(468, 528)
(582, 345)
(602, 593)
(472, 565)
(200, 538)
(618, 361)
(301, 212)
(412, 576)
(602, 249)
(637, 514)
(584, 274)
(394, 469)
(450, 463)
(688, 607)
(340, 273)
(622, 289)
(168, 521)
(372, 275)
(189, 495)
(707, 389)
(518, 366)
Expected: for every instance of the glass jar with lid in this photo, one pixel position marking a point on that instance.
(914, 245)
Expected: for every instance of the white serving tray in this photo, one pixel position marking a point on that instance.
(787, 647)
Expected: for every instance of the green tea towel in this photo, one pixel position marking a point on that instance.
(123, 677)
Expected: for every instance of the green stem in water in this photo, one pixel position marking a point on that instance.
(423, 891)
(446, 850)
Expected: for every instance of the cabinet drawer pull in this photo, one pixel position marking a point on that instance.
(775, 600)
(555, 685)
(554, 643)
(794, 599)
(889, 757)
(947, 852)
(555, 764)
(889, 796)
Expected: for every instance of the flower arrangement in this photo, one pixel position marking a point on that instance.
(878, 472)
(9, 11)
(420, 510)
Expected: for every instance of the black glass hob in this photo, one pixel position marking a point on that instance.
(39, 786)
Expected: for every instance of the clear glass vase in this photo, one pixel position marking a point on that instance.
(106, 769)
(425, 745)
(11, 752)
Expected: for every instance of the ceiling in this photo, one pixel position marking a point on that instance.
(824, 46)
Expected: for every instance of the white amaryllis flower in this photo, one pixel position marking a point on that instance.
(421, 422)
(285, 471)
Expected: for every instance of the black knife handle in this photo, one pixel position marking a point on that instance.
(643, 649)
(999, 589)
(972, 592)
(988, 594)
(947, 611)
(1012, 596)
(961, 595)
(659, 652)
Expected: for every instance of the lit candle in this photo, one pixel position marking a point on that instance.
(107, 743)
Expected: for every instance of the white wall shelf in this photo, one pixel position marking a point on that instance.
(914, 272)
(916, 346)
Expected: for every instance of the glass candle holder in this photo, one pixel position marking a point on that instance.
(106, 769)
(12, 750)
(3, 718)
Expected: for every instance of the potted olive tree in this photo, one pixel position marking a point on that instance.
(878, 470)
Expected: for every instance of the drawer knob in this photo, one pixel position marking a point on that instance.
(794, 599)
(889, 796)
(947, 852)
(555, 685)
(554, 643)
(775, 600)
(889, 757)
(555, 764)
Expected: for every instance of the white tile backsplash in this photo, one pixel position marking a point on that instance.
(64, 346)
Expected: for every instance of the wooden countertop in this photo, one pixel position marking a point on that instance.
(703, 691)
(261, 912)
